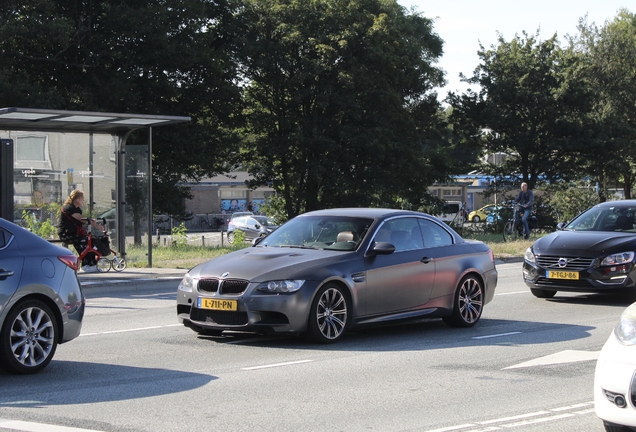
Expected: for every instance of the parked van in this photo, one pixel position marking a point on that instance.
(453, 212)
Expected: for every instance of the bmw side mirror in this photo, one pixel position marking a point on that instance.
(257, 240)
(381, 248)
(560, 226)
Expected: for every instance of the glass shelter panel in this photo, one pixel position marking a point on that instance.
(48, 166)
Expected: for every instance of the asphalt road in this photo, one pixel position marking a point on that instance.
(527, 366)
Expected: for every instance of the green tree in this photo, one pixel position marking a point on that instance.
(340, 104)
(610, 66)
(530, 107)
(166, 57)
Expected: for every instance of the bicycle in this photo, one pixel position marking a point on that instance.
(104, 263)
(513, 228)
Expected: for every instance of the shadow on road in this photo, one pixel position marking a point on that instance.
(99, 383)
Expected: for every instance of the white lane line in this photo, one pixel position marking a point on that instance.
(277, 365)
(496, 335)
(517, 417)
(38, 427)
(567, 356)
(539, 420)
(504, 422)
(571, 407)
(514, 292)
(452, 428)
(129, 330)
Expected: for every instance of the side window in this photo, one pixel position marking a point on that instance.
(434, 235)
(403, 233)
(251, 222)
(5, 236)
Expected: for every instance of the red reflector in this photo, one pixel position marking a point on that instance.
(70, 260)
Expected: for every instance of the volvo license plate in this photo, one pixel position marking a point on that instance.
(560, 274)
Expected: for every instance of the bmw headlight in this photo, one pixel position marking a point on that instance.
(625, 330)
(618, 259)
(187, 284)
(529, 256)
(281, 286)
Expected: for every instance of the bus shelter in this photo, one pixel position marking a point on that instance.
(45, 154)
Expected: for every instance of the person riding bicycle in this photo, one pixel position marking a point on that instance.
(525, 199)
(71, 228)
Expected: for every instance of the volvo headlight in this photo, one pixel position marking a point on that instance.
(187, 283)
(625, 330)
(618, 259)
(281, 286)
(529, 256)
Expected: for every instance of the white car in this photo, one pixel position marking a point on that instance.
(615, 377)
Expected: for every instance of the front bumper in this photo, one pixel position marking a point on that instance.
(596, 279)
(615, 377)
(256, 311)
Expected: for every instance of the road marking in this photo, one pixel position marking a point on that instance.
(130, 330)
(496, 335)
(38, 427)
(567, 356)
(277, 365)
(520, 420)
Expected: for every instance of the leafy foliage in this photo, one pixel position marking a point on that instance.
(340, 110)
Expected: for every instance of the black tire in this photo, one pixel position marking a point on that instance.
(119, 264)
(468, 303)
(329, 315)
(28, 338)
(539, 293)
(476, 219)
(510, 233)
(104, 265)
(230, 237)
(611, 427)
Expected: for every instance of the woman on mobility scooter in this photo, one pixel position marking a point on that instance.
(71, 229)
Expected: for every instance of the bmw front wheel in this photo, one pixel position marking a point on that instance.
(328, 314)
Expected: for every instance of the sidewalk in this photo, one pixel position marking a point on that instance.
(132, 278)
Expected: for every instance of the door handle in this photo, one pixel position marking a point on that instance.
(426, 260)
(5, 274)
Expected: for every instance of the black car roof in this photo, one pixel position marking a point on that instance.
(620, 203)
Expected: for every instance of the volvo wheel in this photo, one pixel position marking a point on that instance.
(468, 303)
(28, 338)
(328, 314)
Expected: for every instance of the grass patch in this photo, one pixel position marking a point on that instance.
(188, 256)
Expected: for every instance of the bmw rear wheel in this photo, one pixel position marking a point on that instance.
(329, 314)
(468, 303)
(28, 338)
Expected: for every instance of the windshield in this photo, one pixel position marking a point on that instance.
(320, 232)
(604, 219)
(263, 220)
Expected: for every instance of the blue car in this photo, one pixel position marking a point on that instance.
(41, 300)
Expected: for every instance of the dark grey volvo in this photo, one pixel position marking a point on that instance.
(326, 271)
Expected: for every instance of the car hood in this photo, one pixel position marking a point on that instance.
(584, 243)
(258, 264)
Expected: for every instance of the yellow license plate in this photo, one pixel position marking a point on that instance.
(558, 274)
(216, 304)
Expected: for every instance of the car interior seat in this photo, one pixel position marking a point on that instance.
(344, 236)
(624, 223)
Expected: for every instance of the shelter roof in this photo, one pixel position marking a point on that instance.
(44, 120)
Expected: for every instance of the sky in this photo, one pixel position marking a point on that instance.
(463, 24)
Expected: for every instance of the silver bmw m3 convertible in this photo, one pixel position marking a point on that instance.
(327, 271)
